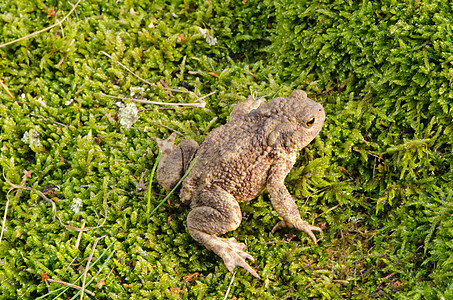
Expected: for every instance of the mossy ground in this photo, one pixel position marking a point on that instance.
(378, 177)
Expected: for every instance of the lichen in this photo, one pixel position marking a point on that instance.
(128, 115)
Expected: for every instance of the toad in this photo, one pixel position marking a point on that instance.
(236, 163)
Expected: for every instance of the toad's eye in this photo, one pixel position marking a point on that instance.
(310, 122)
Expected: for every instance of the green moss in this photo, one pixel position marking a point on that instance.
(379, 174)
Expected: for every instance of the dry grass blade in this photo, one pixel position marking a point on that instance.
(229, 286)
(71, 285)
(43, 30)
(79, 236)
(171, 129)
(6, 89)
(88, 264)
(199, 104)
(4, 216)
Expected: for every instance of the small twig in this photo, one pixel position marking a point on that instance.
(48, 120)
(88, 264)
(43, 30)
(389, 275)
(340, 281)
(144, 80)
(330, 209)
(162, 108)
(6, 89)
(201, 104)
(205, 96)
(369, 153)
(101, 281)
(229, 286)
(61, 27)
(171, 129)
(148, 208)
(70, 285)
(75, 12)
(4, 216)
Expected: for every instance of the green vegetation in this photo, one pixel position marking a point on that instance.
(378, 176)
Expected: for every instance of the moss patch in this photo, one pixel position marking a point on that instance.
(378, 177)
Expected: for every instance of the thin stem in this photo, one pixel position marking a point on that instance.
(176, 186)
(148, 209)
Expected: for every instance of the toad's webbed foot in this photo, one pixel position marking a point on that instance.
(231, 251)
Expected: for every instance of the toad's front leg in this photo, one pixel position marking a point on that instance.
(214, 211)
(283, 202)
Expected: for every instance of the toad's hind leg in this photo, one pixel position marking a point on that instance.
(174, 160)
(216, 212)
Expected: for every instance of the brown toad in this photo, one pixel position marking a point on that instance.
(236, 163)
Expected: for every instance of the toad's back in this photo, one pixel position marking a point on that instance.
(235, 157)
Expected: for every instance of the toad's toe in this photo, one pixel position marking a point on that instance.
(233, 256)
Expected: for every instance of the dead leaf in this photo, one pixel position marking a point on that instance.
(213, 74)
(44, 276)
(190, 277)
(27, 174)
(176, 290)
(100, 284)
(180, 38)
(290, 236)
(49, 190)
(51, 13)
(165, 84)
(342, 169)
